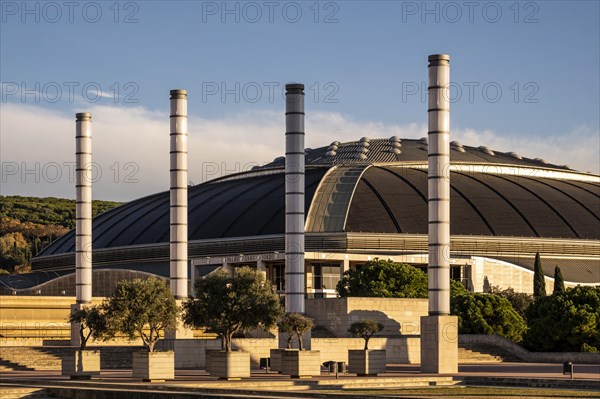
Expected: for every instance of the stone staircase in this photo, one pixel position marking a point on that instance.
(27, 358)
(469, 352)
(16, 392)
(15, 358)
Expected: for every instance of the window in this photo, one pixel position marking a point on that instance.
(277, 275)
(325, 275)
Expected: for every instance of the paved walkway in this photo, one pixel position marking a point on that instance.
(504, 370)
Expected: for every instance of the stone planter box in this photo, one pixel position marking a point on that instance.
(275, 355)
(154, 366)
(300, 364)
(81, 364)
(366, 362)
(232, 365)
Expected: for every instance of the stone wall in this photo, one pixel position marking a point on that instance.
(530, 357)
(399, 316)
(399, 350)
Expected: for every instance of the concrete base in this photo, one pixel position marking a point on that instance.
(439, 344)
(81, 364)
(233, 365)
(275, 356)
(75, 337)
(154, 366)
(366, 362)
(300, 364)
(282, 339)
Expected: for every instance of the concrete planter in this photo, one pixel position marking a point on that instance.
(81, 364)
(366, 362)
(275, 355)
(154, 366)
(300, 364)
(232, 365)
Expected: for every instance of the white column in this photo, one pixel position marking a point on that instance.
(438, 268)
(294, 198)
(83, 208)
(179, 195)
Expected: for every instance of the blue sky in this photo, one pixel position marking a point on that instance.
(526, 78)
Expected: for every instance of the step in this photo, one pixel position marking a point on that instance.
(23, 392)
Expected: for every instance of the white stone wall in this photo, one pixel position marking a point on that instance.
(506, 275)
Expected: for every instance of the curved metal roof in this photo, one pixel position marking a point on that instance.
(223, 208)
(410, 150)
(348, 194)
(393, 199)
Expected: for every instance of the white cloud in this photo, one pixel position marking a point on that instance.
(131, 146)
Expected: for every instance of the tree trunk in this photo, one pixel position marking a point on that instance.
(300, 345)
(367, 343)
(227, 341)
(150, 346)
(83, 340)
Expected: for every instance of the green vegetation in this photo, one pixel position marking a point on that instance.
(559, 281)
(295, 325)
(365, 329)
(539, 281)
(28, 224)
(519, 300)
(92, 323)
(226, 305)
(141, 308)
(480, 313)
(565, 321)
(385, 279)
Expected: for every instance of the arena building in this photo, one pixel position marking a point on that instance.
(364, 199)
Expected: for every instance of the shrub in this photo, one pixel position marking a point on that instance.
(520, 301)
(487, 314)
(565, 321)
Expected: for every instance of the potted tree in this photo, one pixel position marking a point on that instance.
(366, 361)
(228, 305)
(298, 363)
(82, 363)
(144, 309)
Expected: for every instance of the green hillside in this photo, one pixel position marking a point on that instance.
(28, 224)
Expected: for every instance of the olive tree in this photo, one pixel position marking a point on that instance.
(141, 308)
(91, 321)
(295, 324)
(365, 329)
(226, 305)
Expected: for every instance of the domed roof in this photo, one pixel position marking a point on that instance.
(385, 192)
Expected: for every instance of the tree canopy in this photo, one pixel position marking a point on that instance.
(539, 280)
(559, 281)
(565, 321)
(519, 300)
(365, 329)
(480, 313)
(226, 305)
(295, 325)
(141, 308)
(92, 323)
(28, 224)
(384, 278)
